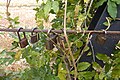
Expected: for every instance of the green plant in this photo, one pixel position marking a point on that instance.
(112, 6)
(62, 63)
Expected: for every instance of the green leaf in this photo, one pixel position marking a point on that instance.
(12, 54)
(86, 49)
(107, 67)
(96, 76)
(112, 9)
(89, 54)
(87, 75)
(16, 18)
(116, 1)
(40, 14)
(116, 71)
(55, 6)
(5, 60)
(17, 22)
(117, 60)
(106, 23)
(47, 8)
(61, 72)
(101, 75)
(79, 43)
(11, 61)
(100, 3)
(103, 57)
(83, 66)
(97, 67)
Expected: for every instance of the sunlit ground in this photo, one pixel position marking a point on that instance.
(21, 8)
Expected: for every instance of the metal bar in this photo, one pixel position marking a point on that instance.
(61, 31)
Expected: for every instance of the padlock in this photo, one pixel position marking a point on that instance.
(53, 38)
(49, 44)
(23, 42)
(34, 37)
(50, 41)
(61, 41)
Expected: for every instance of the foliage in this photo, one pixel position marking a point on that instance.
(57, 64)
(112, 6)
(6, 57)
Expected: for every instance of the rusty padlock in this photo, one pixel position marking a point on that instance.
(50, 41)
(61, 41)
(23, 42)
(34, 37)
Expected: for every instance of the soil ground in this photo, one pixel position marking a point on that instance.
(21, 8)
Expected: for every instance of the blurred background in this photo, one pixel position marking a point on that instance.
(21, 8)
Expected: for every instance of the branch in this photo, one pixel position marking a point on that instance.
(8, 13)
(68, 71)
(66, 37)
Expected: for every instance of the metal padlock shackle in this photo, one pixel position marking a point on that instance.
(34, 37)
(33, 30)
(19, 34)
(50, 40)
(36, 32)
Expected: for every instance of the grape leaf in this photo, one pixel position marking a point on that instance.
(55, 6)
(47, 8)
(83, 66)
(103, 57)
(112, 9)
(116, 1)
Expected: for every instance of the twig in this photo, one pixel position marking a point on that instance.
(92, 48)
(67, 56)
(8, 13)
(68, 71)
(83, 49)
(7, 8)
(88, 41)
(87, 12)
(66, 37)
(89, 8)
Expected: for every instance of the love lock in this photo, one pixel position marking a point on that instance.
(61, 41)
(51, 40)
(34, 37)
(23, 42)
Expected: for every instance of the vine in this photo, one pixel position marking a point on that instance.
(62, 62)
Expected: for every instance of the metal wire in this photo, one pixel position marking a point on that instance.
(61, 31)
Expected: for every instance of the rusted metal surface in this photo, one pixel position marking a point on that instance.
(99, 43)
(68, 31)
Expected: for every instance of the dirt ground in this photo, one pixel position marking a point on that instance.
(21, 8)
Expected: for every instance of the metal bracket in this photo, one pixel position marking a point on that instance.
(97, 24)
